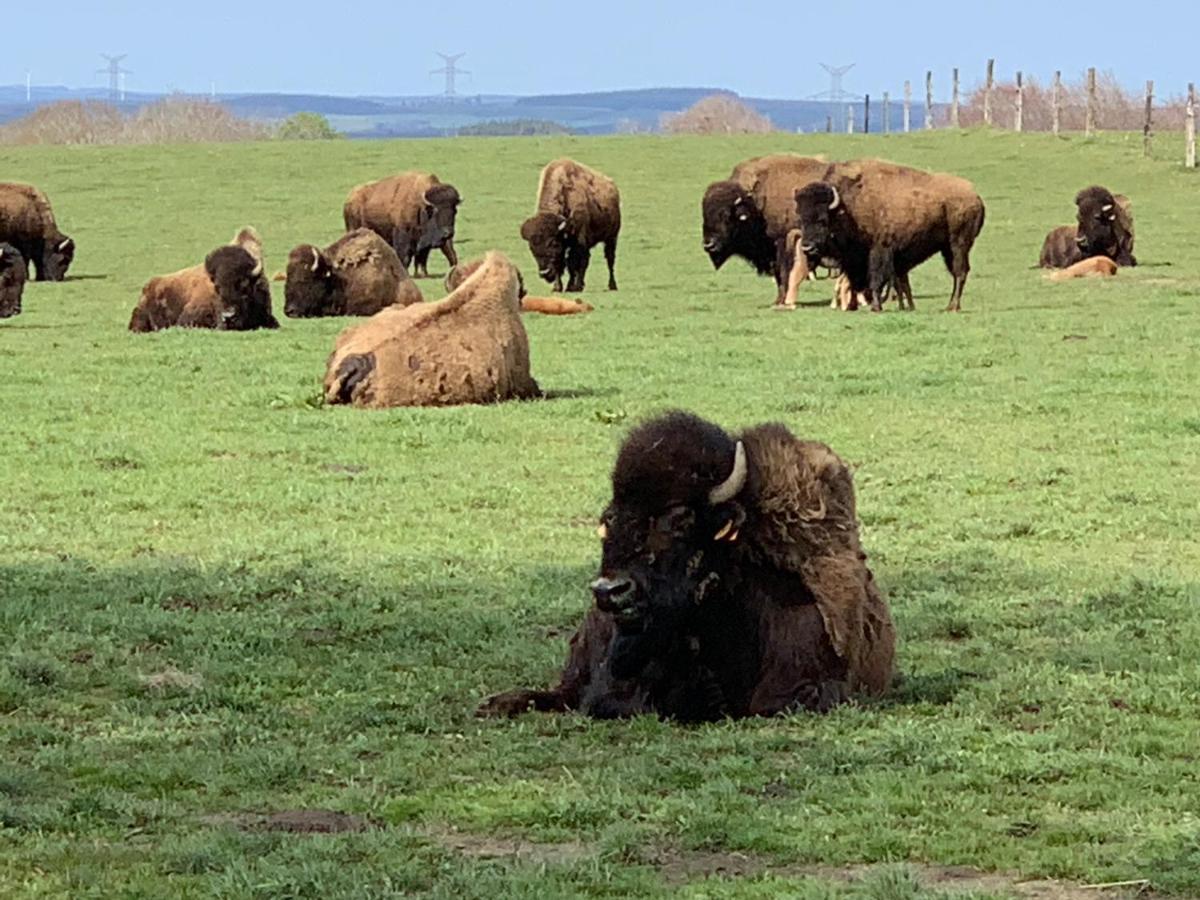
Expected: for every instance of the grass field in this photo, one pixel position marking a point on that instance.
(220, 600)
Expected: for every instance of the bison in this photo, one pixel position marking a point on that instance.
(12, 280)
(228, 292)
(27, 223)
(550, 306)
(357, 275)
(468, 348)
(1092, 267)
(577, 208)
(878, 221)
(1104, 227)
(751, 213)
(414, 211)
(731, 583)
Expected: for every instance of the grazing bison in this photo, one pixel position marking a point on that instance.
(878, 221)
(12, 280)
(228, 292)
(751, 213)
(1104, 227)
(731, 583)
(414, 211)
(27, 223)
(577, 208)
(357, 275)
(468, 348)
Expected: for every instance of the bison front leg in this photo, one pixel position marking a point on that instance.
(577, 265)
(880, 274)
(450, 253)
(511, 704)
(402, 244)
(421, 263)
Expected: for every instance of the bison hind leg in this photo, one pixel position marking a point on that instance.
(819, 696)
(610, 257)
(511, 704)
(352, 372)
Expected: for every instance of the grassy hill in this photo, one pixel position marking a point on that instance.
(220, 600)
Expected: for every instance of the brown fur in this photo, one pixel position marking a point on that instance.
(13, 274)
(27, 223)
(468, 348)
(554, 306)
(357, 275)
(1093, 266)
(393, 208)
(1059, 249)
(588, 206)
(460, 273)
(773, 181)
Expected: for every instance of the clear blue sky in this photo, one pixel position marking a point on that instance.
(757, 49)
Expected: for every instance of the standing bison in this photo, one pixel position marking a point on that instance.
(228, 292)
(27, 223)
(1104, 227)
(731, 583)
(12, 280)
(357, 275)
(878, 221)
(413, 211)
(577, 208)
(751, 213)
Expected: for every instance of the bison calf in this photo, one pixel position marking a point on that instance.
(577, 208)
(731, 583)
(12, 280)
(357, 275)
(27, 223)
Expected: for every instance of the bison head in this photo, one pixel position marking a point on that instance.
(734, 225)
(244, 292)
(12, 280)
(548, 235)
(57, 257)
(310, 283)
(436, 218)
(668, 534)
(822, 221)
(1097, 234)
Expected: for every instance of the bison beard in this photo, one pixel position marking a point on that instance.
(731, 584)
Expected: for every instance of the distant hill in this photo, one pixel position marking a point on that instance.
(602, 112)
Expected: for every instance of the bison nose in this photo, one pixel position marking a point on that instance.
(612, 594)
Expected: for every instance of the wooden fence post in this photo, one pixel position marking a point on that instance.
(954, 102)
(849, 119)
(1019, 114)
(928, 100)
(1057, 102)
(987, 92)
(1090, 123)
(1149, 113)
(829, 123)
(887, 113)
(907, 104)
(1189, 159)
(867, 114)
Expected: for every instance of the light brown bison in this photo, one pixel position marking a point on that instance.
(1104, 227)
(577, 208)
(27, 223)
(878, 221)
(550, 306)
(731, 583)
(12, 280)
(414, 211)
(468, 348)
(228, 292)
(751, 213)
(357, 275)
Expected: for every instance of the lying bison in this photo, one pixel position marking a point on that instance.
(577, 208)
(468, 348)
(731, 583)
(228, 292)
(414, 211)
(751, 213)
(357, 275)
(12, 280)
(878, 221)
(1104, 227)
(27, 223)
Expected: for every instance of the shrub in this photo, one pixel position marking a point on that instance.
(718, 114)
(306, 126)
(171, 120)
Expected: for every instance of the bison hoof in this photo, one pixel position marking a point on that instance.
(506, 706)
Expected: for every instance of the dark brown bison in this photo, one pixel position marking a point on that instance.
(414, 211)
(1104, 227)
(731, 583)
(577, 208)
(12, 280)
(228, 292)
(357, 275)
(27, 223)
(751, 213)
(878, 221)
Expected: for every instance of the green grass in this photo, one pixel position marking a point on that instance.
(217, 597)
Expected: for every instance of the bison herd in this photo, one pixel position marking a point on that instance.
(732, 581)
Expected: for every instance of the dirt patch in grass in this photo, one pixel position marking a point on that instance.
(295, 821)
(478, 846)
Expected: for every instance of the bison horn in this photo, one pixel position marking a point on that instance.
(63, 245)
(1106, 207)
(562, 226)
(316, 259)
(257, 270)
(729, 488)
(837, 199)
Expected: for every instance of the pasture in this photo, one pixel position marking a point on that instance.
(220, 600)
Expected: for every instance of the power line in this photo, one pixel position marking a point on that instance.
(116, 76)
(451, 71)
